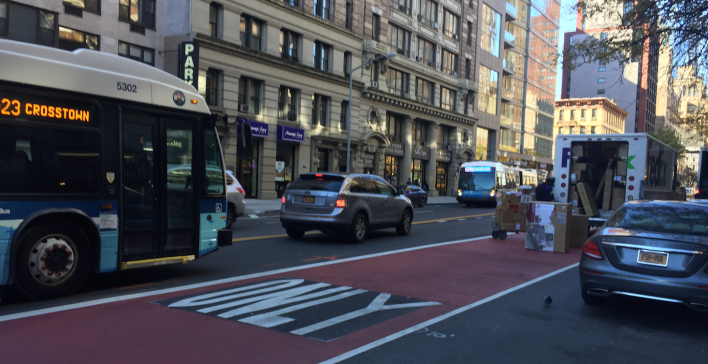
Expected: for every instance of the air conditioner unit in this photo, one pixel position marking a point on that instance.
(407, 95)
(420, 17)
(418, 59)
(292, 116)
(453, 73)
(431, 64)
(374, 84)
(457, 37)
(402, 8)
(244, 108)
(435, 25)
(400, 51)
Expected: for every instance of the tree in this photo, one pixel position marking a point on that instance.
(644, 24)
(671, 138)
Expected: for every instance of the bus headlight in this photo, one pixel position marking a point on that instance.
(491, 193)
(459, 192)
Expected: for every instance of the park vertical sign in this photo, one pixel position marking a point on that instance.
(189, 63)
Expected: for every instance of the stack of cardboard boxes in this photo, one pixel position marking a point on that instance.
(512, 210)
(555, 228)
(590, 184)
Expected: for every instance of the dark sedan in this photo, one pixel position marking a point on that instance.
(650, 249)
(414, 193)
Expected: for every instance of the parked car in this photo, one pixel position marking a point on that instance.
(235, 197)
(414, 193)
(345, 204)
(650, 249)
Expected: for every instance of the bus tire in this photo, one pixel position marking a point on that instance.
(468, 204)
(230, 215)
(61, 246)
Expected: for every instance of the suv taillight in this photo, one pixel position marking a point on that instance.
(341, 201)
(239, 189)
(283, 199)
(592, 250)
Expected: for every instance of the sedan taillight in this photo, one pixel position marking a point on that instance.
(592, 250)
(243, 192)
(283, 199)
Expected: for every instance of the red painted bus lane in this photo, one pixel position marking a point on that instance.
(139, 330)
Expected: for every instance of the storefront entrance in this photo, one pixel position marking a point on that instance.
(418, 169)
(247, 169)
(284, 166)
(391, 170)
(441, 178)
(323, 157)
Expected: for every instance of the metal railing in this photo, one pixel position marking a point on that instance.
(508, 37)
(511, 9)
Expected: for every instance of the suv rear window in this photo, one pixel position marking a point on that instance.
(310, 182)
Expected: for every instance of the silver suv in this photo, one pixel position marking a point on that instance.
(349, 204)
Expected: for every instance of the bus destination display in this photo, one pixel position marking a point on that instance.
(33, 107)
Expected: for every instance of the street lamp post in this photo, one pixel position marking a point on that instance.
(349, 112)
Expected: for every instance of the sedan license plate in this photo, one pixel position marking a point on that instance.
(308, 199)
(653, 258)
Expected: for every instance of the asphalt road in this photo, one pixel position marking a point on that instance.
(260, 244)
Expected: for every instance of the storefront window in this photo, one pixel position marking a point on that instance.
(441, 178)
(323, 157)
(284, 167)
(418, 171)
(394, 124)
(247, 168)
(391, 169)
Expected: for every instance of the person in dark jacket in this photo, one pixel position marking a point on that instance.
(544, 191)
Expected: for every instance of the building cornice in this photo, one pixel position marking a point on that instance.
(404, 103)
(236, 50)
(600, 101)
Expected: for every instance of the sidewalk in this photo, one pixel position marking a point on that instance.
(254, 206)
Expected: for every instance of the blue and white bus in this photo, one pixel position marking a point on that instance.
(480, 182)
(106, 164)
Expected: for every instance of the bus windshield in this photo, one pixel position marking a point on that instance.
(476, 181)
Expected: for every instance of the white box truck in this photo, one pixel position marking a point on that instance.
(618, 167)
(702, 174)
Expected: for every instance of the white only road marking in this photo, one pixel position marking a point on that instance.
(435, 320)
(126, 297)
(253, 216)
(376, 305)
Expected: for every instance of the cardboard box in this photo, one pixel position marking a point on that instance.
(554, 218)
(621, 168)
(523, 208)
(578, 151)
(620, 179)
(526, 198)
(507, 217)
(535, 237)
(510, 202)
(509, 226)
(623, 151)
(575, 199)
(519, 216)
(520, 226)
(607, 194)
(577, 210)
(588, 199)
(497, 215)
(579, 228)
(618, 195)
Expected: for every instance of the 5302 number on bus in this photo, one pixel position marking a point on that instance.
(127, 87)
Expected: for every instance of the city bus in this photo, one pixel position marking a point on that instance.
(480, 181)
(106, 164)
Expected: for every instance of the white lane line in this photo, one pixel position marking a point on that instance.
(435, 320)
(126, 297)
(461, 219)
(253, 216)
(443, 221)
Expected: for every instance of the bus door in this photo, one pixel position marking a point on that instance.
(158, 194)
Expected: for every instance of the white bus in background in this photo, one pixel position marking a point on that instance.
(481, 181)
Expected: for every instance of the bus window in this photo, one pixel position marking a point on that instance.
(43, 160)
(214, 170)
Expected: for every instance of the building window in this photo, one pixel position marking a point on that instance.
(426, 52)
(451, 25)
(400, 39)
(601, 69)
(249, 95)
(27, 24)
(449, 62)
(347, 63)
(397, 82)
(324, 9)
(428, 12)
(594, 114)
(251, 32)
(592, 130)
(394, 126)
(601, 91)
(468, 68)
(572, 130)
(90, 5)
(295, 3)
(320, 109)
(420, 131)
(425, 91)
(376, 27)
(600, 80)
(582, 130)
(560, 115)
(448, 99)
(375, 72)
(582, 114)
(213, 87)
(491, 30)
(289, 45)
(138, 11)
(348, 19)
(402, 6)
(138, 53)
(214, 19)
(488, 90)
(343, 115)
(70, 39)
(288, 103)
(321, 55)
(560, 130)
(572, 114)
(469, 33)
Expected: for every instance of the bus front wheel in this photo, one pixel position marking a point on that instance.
(52, 260)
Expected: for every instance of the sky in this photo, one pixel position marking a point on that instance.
(567, 24)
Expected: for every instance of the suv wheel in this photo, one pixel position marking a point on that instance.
(357, 233)
(404, 226)
(422, 201)
(294, 233)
